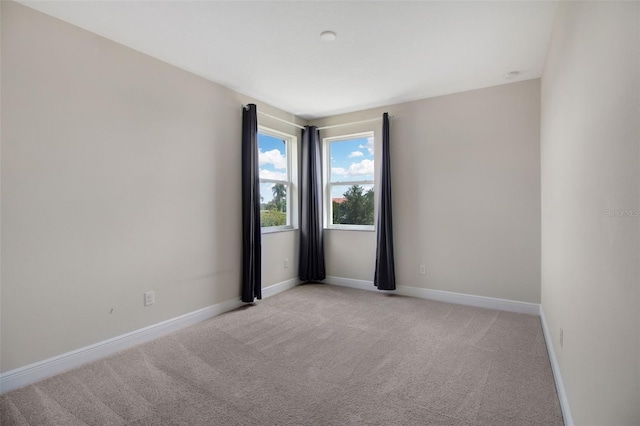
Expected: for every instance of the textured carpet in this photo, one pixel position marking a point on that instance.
(314, 355)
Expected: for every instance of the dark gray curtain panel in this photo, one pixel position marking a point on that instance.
(385, 275)
(311, 262)
(251, 237)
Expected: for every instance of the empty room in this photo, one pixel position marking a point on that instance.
(320, 213)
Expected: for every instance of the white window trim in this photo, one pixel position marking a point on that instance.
(328, 205)
(292, 184)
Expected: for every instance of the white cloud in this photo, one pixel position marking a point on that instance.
(339, 171)
(269, 174)
(273, 157)
(363, 168)
(356, 154)
(368, 145)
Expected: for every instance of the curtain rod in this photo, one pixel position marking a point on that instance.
(281, 120)
(352, 123)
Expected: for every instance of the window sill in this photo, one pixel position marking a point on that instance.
(276, 229)
(357, 228)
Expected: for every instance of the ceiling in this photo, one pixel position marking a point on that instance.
(385, 52)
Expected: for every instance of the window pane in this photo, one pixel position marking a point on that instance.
(273, 204)
(273, 162)
(352, 204)
(272, 157)
(352, 160)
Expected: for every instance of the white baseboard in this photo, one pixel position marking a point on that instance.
(555, 367)
(32, 373)
(445, 296)
(272, 290)
(351, 283)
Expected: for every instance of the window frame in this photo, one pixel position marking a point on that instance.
(328, 184)
(291, 144)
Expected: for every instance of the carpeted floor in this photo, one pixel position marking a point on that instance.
(314, 355)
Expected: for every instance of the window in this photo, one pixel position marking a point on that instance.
(277, 191)
(349, 181)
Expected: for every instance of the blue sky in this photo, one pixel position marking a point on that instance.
(352, 160)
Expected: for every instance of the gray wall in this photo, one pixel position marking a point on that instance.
(119, 175)
(590, 174)
(466, 182)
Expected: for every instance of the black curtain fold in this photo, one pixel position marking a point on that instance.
(251, 233)
(385, 275)
(311, 262)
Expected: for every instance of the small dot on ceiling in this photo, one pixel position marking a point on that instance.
(328, 35)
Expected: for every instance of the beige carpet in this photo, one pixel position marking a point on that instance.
(314, 355)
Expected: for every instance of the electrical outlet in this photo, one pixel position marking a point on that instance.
(286, 263)
(423, 269)
(149, 298)
(561, 338)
